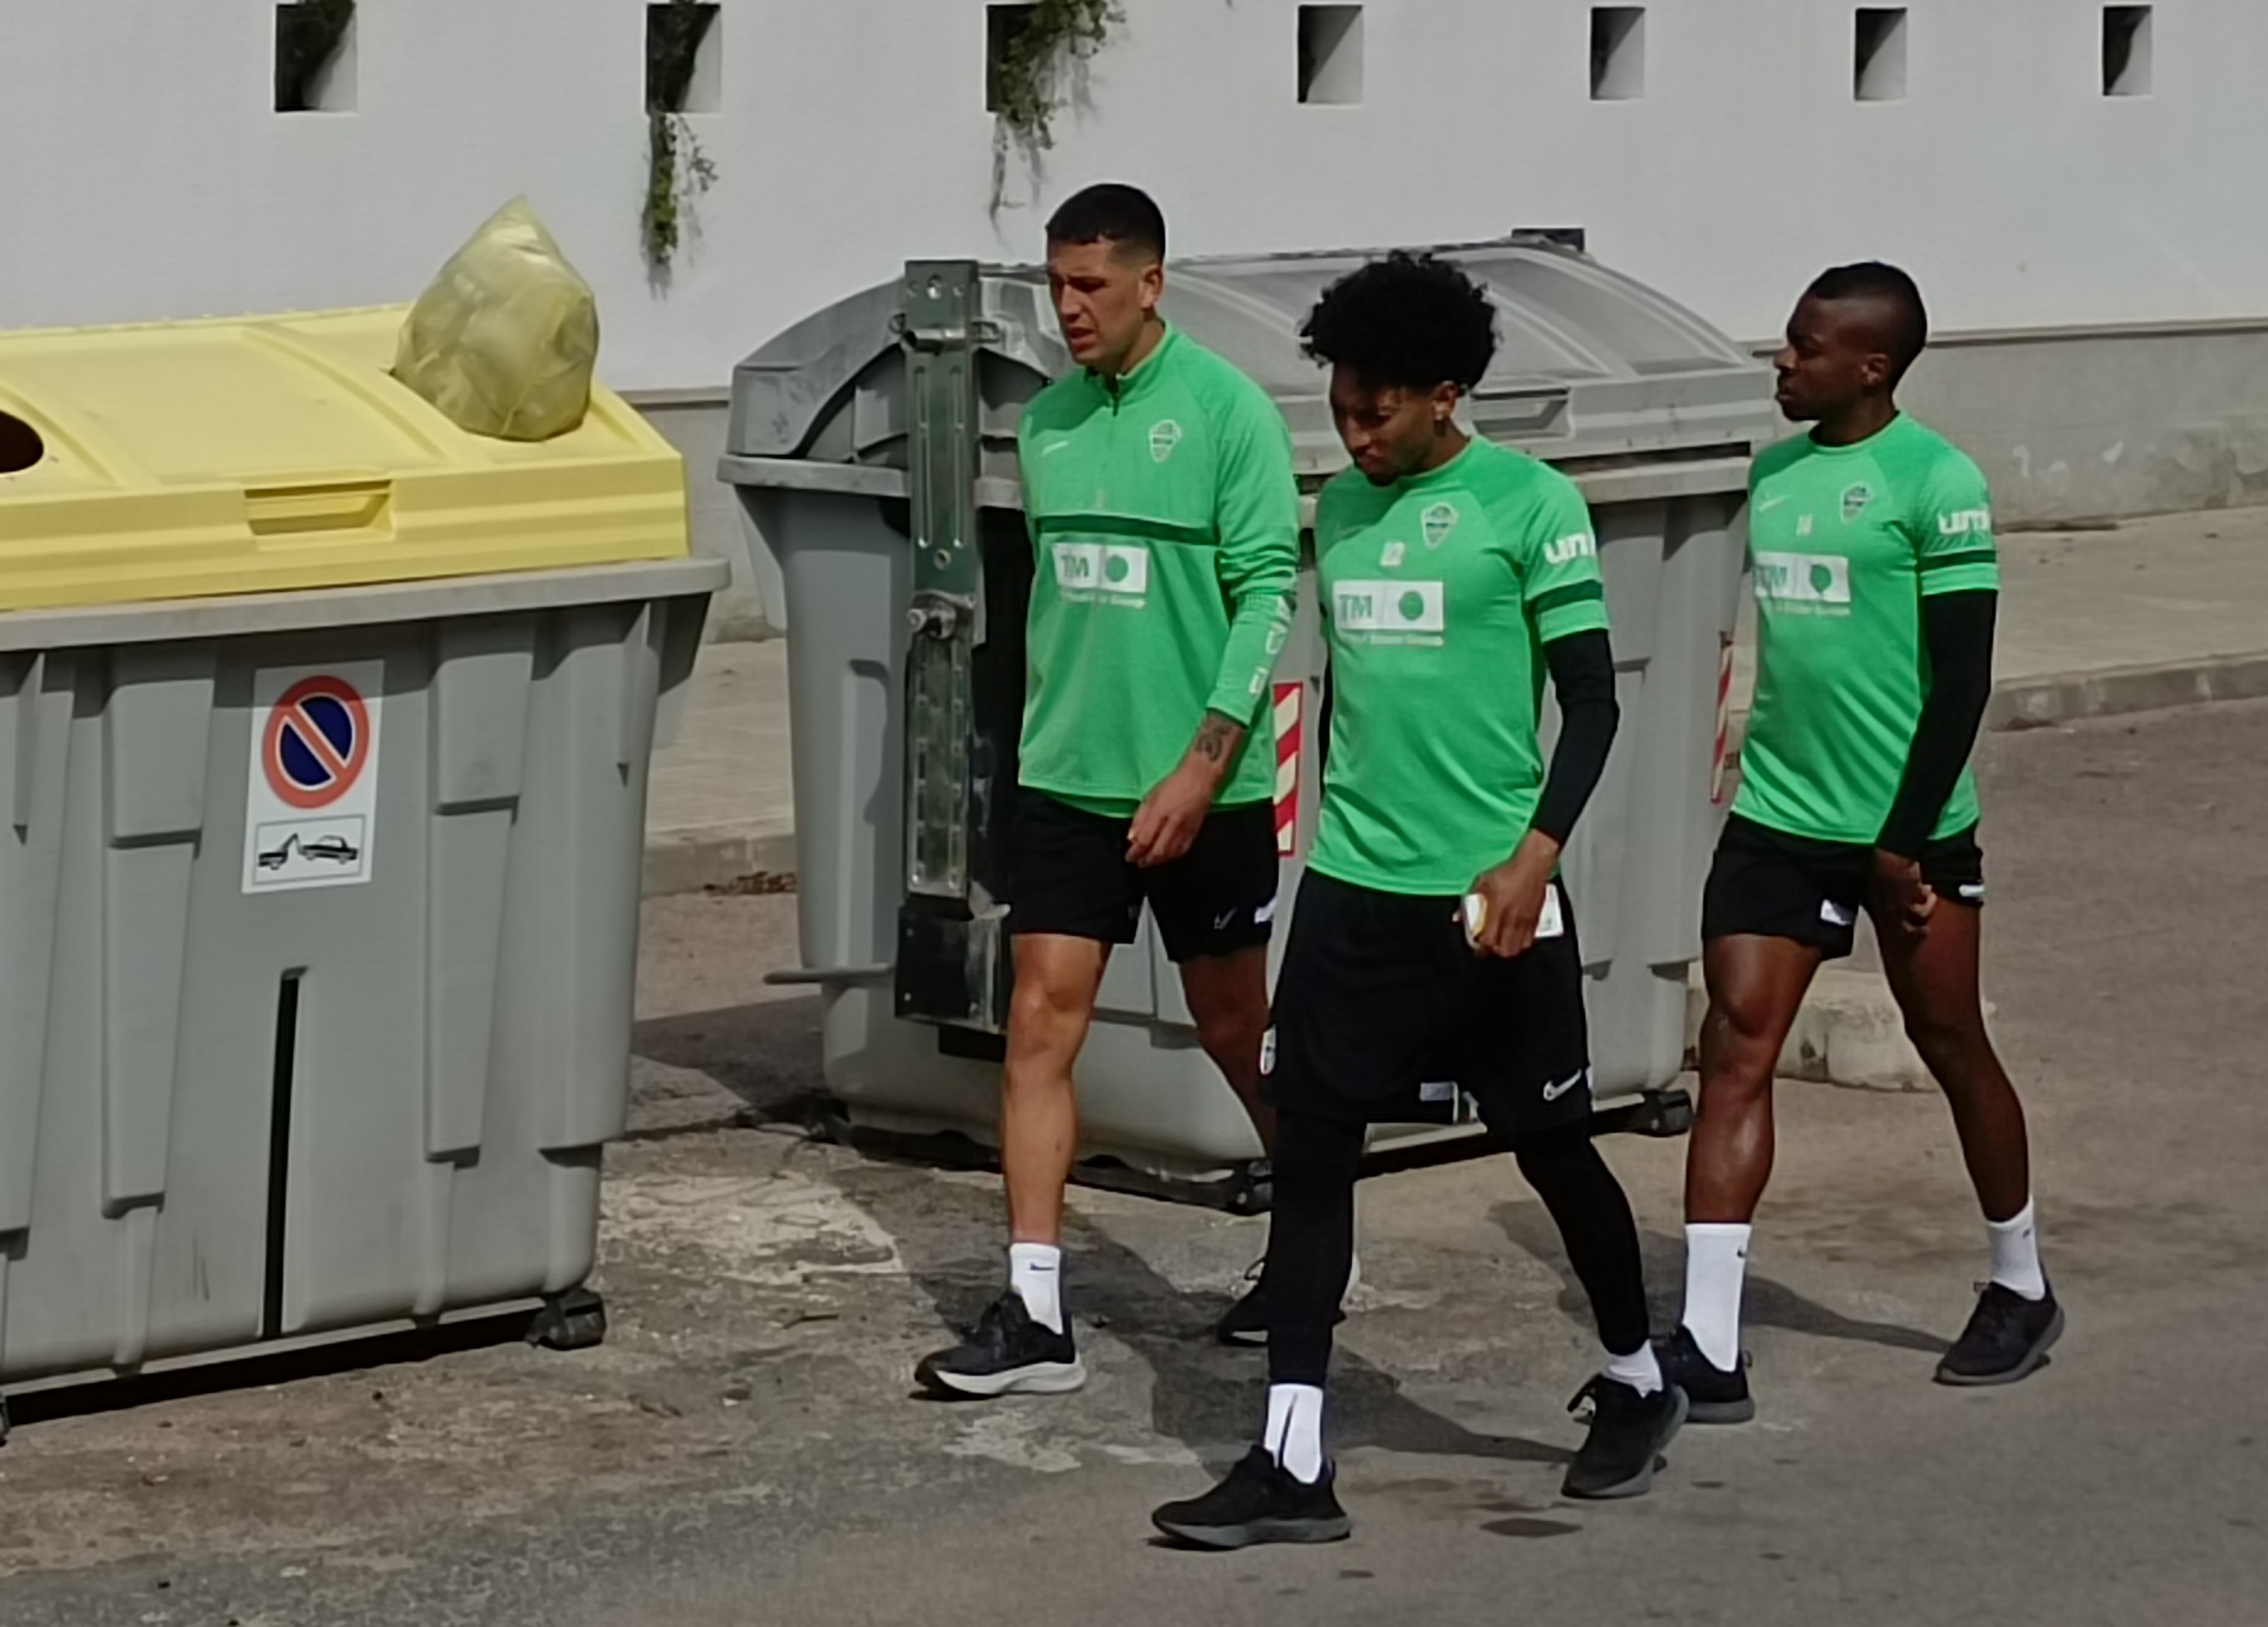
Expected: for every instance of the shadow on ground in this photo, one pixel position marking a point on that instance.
(1764, 1303)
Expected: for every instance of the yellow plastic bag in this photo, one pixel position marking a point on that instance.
(505, 340)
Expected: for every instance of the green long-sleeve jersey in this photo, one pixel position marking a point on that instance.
(1165, 522)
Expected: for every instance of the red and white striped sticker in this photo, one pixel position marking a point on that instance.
(1287, 769)
(1724, 720)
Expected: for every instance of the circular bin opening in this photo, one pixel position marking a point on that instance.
(20, 445)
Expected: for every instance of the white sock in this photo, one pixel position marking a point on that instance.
(2016, 1254)
(1639, 1370)
(1036, 1272)
(1295, 1431)
(1716, 1259)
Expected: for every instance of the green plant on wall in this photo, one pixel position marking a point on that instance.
(1032, 45)
(308, 40)
(677, 170)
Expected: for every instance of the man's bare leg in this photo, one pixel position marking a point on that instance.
(1935, 981)
(1228, 997)
(1023, 1342)
(1935, 976)
(1756, 985)
(1048, 1013)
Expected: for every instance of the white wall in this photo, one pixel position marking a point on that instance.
(141, 173)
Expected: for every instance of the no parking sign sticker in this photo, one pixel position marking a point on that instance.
(311, 799)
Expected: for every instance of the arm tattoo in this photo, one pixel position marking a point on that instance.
(1217, 736)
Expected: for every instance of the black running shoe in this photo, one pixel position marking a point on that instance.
(2007, 1339)
(1712, 1395)
(1245, 1323)
(1259, 1502)
(1627, 1430)
(1006, 1353)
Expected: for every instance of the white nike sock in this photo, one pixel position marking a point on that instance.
(1295, 1431)
(1036, 1272)
(1639, 1369)
(1716, 1259)
(2016, 1254)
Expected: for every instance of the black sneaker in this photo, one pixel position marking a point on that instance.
(1627, 1430)
(1245, 1323)
(1006, 1353)
(1259, 1502)
(2007, 1339)
(1712, 1395)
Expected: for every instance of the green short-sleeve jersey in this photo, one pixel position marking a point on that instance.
(1845, 542)
(1165, 523)
(1439, 593)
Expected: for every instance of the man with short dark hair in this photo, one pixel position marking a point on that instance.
(1159, 492)
(1454, 575)
(1876, 581)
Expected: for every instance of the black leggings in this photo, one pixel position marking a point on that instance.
(1311, 1238)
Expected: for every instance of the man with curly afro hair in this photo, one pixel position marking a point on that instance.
(1433, 940)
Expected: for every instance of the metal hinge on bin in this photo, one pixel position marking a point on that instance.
(952, 964)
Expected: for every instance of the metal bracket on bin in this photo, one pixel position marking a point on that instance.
(951, 964)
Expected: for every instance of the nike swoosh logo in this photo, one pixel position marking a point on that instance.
(1552, 1093)
(1052, 448)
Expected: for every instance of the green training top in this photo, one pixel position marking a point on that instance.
(1439, 593)
(1845, 542)
(1166, 525)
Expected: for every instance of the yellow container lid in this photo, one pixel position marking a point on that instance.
(188, 459)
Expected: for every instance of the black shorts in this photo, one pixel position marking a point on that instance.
(1069, 875)
(1384, 1014)
(1768, 884)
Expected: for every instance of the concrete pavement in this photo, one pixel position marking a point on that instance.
(721, 806)
(743, 1450)
(2154, 613)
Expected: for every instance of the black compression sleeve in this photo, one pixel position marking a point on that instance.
(1956, 628)
(1582, 667)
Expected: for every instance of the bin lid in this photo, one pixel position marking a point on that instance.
(1592, 369)
(195, 458)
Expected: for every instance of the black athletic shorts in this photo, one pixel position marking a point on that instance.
(1069, 875)
(1768, 884)
(1383, 1013)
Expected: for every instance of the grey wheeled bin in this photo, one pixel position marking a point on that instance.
(873, 446)
(324, 731)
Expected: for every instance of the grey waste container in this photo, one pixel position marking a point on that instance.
(318, 904)
(873, 448)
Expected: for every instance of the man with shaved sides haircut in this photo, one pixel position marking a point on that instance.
(1875, 578)
(1165, 523)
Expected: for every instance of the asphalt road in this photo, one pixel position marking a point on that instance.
(744, 1449)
